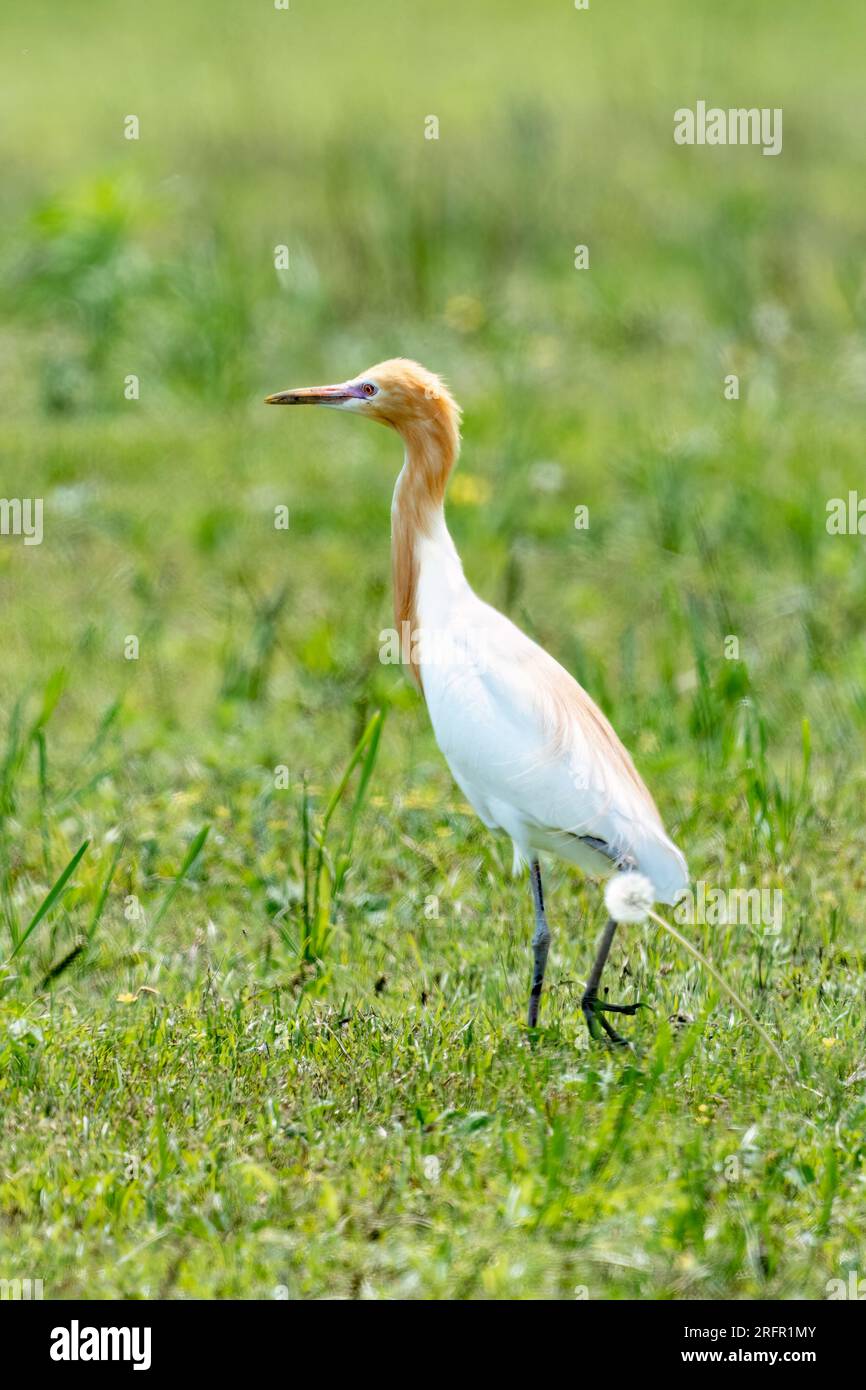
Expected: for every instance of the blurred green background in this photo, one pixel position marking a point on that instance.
(305, 128)
(259, 647)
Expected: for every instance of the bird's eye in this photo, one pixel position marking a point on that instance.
(368, 388)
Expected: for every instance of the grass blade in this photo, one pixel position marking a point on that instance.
(325, 890)
(192, 855)
(100, 901)
(722, 982)
(61, 965)
(345, 857)
(50, 898)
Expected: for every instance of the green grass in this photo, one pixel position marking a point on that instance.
(265, 1033)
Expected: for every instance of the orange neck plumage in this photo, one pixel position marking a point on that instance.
(432, 446)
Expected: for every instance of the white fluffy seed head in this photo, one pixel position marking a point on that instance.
(629, 897)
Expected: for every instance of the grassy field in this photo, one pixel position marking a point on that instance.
(253, 1049)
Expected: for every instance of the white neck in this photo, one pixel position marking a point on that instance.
(441, 581)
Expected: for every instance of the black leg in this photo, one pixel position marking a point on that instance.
(594, 1008)
(540, 944)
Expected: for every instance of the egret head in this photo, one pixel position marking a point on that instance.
(399, 393)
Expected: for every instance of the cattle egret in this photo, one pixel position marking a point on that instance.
(525, 743)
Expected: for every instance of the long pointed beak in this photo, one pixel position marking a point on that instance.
(312, 395)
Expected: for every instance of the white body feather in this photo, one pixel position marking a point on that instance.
(523, 741)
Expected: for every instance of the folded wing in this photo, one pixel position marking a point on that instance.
(538, 757)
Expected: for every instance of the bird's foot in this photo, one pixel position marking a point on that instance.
(594, 1010)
